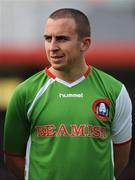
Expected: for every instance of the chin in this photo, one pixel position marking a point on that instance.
(58, 67)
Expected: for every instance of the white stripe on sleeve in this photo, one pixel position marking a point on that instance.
(122, 123)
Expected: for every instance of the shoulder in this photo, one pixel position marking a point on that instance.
(106, 82)
(37, 78)
(32, 82)
(104, 76)
(28, 88)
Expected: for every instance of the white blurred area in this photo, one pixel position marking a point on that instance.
(22, 21)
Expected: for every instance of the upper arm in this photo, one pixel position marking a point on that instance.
(122, 131)
(121, 152)
(122, 123)
(16, 164)
(16, 128)
(121, 157)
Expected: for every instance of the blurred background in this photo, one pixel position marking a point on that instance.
(22, 48)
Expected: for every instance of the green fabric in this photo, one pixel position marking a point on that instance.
(69, 141)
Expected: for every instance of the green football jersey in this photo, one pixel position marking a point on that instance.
(66, 130)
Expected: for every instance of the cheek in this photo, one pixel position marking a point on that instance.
(46, 46)
(46, 51)
(75, 47)
(70, 50)
(74, 51)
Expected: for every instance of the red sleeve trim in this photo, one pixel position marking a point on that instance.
(126, 142)
(14, 154)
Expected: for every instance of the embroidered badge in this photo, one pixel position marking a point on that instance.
(101, 108)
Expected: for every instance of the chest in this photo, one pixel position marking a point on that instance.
(82, 109)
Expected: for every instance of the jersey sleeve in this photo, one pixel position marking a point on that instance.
(16, 128)
(122, 123)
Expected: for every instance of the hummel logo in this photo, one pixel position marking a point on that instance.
(71, 95)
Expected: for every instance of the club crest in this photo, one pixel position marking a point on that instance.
(101, 109)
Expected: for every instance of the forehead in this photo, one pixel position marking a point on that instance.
(60, 26)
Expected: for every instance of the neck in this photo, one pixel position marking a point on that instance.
(69, 75)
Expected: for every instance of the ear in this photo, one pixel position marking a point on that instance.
(85, 44)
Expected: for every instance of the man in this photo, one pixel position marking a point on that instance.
(71, 121)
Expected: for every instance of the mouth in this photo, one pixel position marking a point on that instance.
(57, 59)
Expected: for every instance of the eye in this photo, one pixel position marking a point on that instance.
(48, 38)
(62, 38)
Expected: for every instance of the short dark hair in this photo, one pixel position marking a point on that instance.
(82, 23)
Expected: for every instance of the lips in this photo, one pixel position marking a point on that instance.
(57, 59)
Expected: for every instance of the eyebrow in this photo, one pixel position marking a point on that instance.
(45, 35)
(57, 37)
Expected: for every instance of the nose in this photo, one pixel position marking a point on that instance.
(54, 45)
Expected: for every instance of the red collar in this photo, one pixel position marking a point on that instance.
(54, 77)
